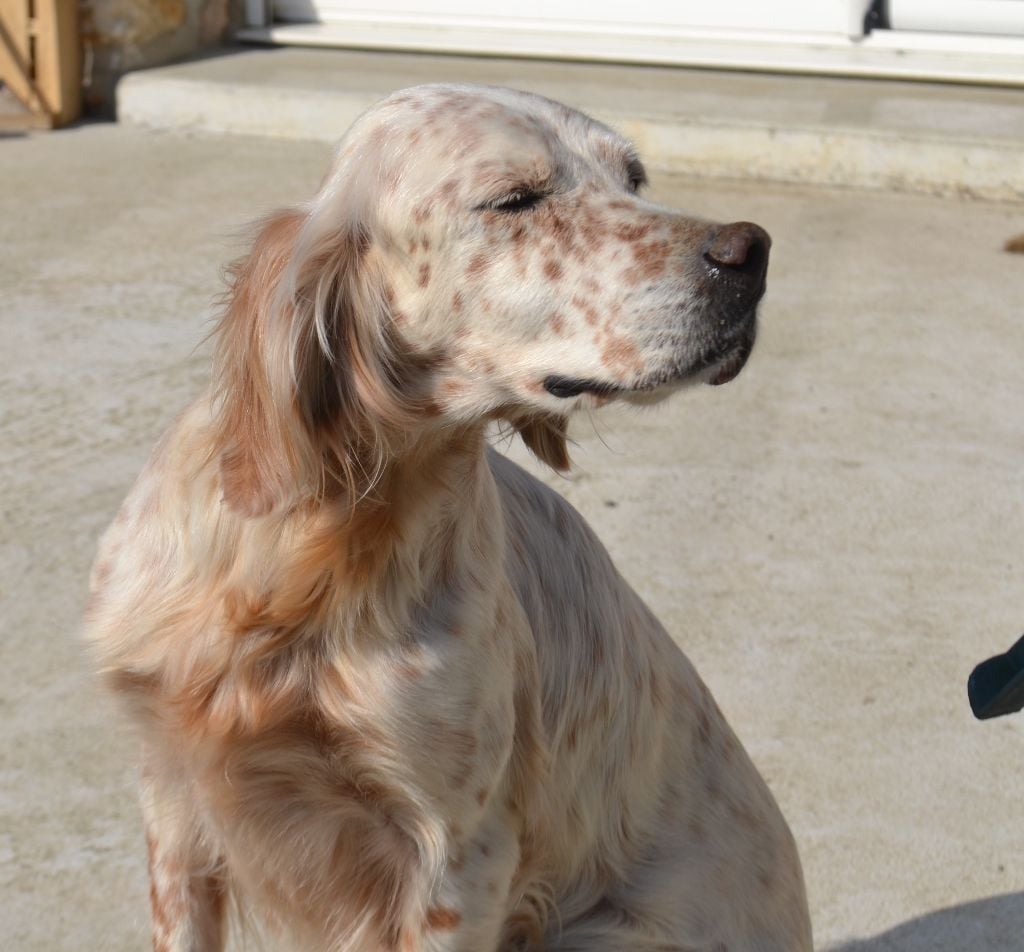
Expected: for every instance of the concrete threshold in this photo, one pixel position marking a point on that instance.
(903, 136)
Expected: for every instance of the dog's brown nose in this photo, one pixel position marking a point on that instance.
(736, 259)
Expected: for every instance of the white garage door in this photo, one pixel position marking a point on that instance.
(959, 40)
(995, 17)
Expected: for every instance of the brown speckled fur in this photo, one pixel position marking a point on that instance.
(392, 693)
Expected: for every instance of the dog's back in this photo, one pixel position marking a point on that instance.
(656, 805)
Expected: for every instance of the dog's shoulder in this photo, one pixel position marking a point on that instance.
(141, 556)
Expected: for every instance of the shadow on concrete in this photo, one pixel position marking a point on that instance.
(988, 925)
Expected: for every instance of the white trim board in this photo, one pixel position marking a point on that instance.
(882, 54)
(830, 17)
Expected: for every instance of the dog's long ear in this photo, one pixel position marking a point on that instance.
(306, 385)
(358, 390)
(257, 457)
(547, 440)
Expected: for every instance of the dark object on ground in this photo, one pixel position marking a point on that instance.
(996, 686)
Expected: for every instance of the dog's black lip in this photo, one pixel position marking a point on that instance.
(732, 362)
(566, 387)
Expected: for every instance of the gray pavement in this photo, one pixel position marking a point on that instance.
(835, 538)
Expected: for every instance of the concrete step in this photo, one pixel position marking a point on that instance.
(907, 136)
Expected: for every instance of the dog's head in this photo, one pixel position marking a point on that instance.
(474, 253)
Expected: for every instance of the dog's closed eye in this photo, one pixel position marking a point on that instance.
(517, 200)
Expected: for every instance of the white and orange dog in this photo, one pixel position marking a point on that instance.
(392, 692)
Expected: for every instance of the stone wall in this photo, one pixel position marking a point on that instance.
(123, 35)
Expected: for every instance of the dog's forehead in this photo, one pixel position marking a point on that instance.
(497, 121)
(458, 102)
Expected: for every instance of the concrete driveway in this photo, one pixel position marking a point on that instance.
(835, 538)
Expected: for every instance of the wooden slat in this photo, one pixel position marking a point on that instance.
(15, 52)
(40, 58)
(58, 63)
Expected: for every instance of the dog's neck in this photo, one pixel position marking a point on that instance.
(423, 498)
(409, 531)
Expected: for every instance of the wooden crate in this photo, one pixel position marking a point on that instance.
(41, 60)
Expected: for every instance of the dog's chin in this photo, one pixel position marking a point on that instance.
(715, 369)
